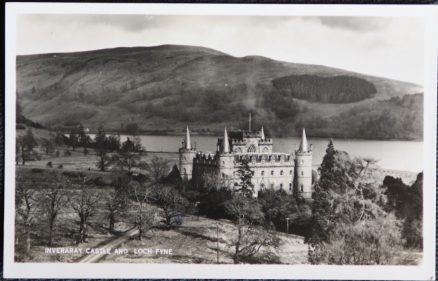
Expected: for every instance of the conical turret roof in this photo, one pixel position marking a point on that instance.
(263, 134)
(304, 147)
(187, 139)
(226, 144)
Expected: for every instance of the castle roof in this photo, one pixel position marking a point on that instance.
(304, 147)
(187, 139)
(226, 147)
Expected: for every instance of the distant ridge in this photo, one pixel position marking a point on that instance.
(169, 86)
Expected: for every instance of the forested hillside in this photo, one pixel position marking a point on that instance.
(168, 87)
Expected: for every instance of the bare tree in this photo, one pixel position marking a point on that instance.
(247, 213)
(171, 203)
(140, 193)
(85, 205)
(157, 170)
(25, 202)
(116, 202)
(52, 199)
(250, 237)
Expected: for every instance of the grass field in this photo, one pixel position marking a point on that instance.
(196, 242)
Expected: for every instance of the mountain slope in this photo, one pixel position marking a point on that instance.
(169, 86)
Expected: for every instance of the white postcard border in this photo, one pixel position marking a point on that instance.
(62, 270)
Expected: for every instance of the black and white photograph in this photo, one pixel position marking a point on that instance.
(221, 139)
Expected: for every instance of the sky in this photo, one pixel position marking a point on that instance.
(389, 47)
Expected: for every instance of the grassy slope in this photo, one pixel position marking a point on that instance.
(194, 242)
(118, 84)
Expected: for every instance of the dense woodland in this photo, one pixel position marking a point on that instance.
(337, 89)
(396, 118)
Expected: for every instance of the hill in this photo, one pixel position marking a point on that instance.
(167, 87)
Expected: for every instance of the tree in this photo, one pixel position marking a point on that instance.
(137, 144)
(407, 204)
(84, 140)
(59, 138)
(157, 170)
(349, 226)
(25, 145)
(116, 200)
(141, 193)
(48, 145)
(113, 142)
(25, 202)
(132, 129)
(245, 174)
(128, 157)
(172, 204)
(73, 139)
(250, 237)
(85, 205)
(246, 212)
(279, 206)
(52, 199)
(101, 148)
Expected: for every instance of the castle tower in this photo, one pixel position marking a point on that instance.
(226, 165)
(303, 167)
(186, 155)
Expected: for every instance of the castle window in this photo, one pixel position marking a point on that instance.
(290, 172)
(262, 186)
(281, 186)
(281, 172)
(223, 175)
(272, 172)
(302, 173)
(301, 188)
(302, 161)
(290, 186)
(263, 173)
(251, 149)
(223, 162)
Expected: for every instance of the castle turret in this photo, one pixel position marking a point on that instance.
(303, 167)
(186, 155)
(226, 165)
(263, 134)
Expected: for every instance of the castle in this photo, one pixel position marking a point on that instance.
(292, 173)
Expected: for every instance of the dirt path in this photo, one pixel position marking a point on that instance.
(111, 244)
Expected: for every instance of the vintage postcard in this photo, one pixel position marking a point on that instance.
(217, 141)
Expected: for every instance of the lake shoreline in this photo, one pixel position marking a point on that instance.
(219, 134)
